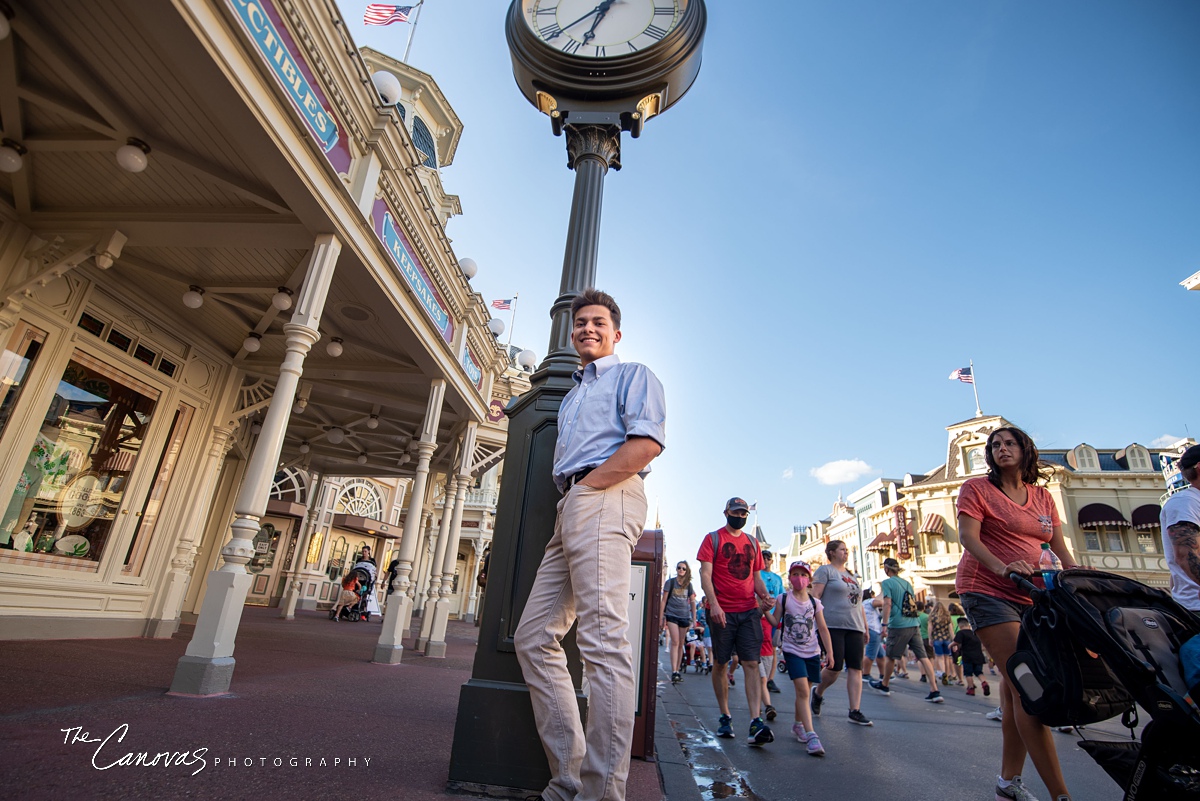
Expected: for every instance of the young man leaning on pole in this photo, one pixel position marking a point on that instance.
(729, 573)
(611, 425)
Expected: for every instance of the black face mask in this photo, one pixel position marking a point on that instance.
(735, 523)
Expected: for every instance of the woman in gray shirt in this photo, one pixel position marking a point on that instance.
(678, 614)
(841, 596)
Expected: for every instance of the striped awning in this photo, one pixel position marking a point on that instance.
(1146, 517)
(933, 524)
(883, 542)
(1100, 514)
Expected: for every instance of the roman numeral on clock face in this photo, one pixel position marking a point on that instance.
(571, 47)
(551, 31)
(668, 10)
(655, 32)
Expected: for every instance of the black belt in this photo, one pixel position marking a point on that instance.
(575, 478)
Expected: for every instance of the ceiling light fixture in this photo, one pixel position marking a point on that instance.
(5, 26)
(373, 422)
(194, 297)
(256, 428)
(299, 406)
(334, 348)
(305, 447)
(11, 153)
(132, 156)
(252, 342)
(336, 436)
(282, 299)
(362, 458)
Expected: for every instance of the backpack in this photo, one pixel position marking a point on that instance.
(908, 605)
(715, 537)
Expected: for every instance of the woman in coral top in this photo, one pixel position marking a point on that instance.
(1003, 519)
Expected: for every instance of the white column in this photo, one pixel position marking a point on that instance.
(435, 564)
(473, 594)
(295, 583)
(207, 666)
(425, 541)
(390, 648)
(165, 620)
(436, 646)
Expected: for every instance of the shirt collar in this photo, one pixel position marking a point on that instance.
(597, 368)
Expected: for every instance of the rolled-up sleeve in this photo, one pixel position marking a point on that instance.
(644, 405)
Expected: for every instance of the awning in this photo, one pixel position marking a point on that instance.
(365, 525)
(934, 524)
(883, 542)
(1146, 517)
(1100, 514)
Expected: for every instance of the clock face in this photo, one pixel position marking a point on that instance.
(602, 28)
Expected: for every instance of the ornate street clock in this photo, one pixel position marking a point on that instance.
(627, 59)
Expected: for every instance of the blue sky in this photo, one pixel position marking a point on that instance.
(854, 199)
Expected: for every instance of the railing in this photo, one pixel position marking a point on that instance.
(475, 499)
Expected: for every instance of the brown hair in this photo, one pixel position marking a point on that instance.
(594, 297)
(687, 578)
(939, 614)
(1030, 474)
(831, 547)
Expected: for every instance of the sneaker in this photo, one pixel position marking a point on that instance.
(772, 686)
(879, 687)
(732, 680)
(935, 697)
(814, 745)
(725, 727)
(859, 719)
(815, 702)
(770, 712)
(676, 678)
(760, 734)
(799, 733)
(1014, 792)
(970, 691)
(995, 714)
(923, 679)
(986, 689)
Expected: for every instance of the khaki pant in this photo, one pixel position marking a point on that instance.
(585, 574)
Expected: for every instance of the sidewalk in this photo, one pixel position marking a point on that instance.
(304, 692)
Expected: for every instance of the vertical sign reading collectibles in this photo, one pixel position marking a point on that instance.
(902, 532)
(265, 25)
(471, 365)
(402, 255)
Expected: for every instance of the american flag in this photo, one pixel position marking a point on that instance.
(963, 374)
(502, 304)
(754, 506)
(380, 14)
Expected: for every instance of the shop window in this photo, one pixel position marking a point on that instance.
(1147, 542)
(148, 518)
(24, 344)
(337, 559)
(1115, 541)
(1091, 539)
(72, 485)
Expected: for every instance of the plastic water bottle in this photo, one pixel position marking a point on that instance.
(1049, 565)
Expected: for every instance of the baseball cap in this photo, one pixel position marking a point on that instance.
(1190, 458)
(892, 563)
(736, 505)
(800, 563)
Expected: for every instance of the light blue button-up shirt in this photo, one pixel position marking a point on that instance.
(609, 403)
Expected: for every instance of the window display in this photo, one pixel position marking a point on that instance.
(70, 491)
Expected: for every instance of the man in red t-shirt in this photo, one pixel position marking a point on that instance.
(730, 577)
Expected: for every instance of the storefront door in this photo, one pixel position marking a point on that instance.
(274, 549)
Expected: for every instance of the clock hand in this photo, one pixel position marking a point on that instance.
(603, 11)
(576, 22)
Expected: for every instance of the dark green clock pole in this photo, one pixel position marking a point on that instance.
(497, 750)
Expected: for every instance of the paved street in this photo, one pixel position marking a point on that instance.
(916, 751)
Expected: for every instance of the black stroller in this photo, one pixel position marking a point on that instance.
(1098, 645)
(360, 581)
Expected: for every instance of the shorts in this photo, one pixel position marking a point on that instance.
(847, 648)
(741, 634)
(972, 668)
(803, 667)
(988, 610)
(928, 646)
(874, 648)
(941, 647)
(765, 667)
(900, 640)
(682, 622)
(708, 642)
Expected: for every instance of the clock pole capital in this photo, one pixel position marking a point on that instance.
(600, 142)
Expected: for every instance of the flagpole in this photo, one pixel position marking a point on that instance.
(412, 29)
(512, 321)
(975, 387)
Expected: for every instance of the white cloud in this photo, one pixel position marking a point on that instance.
(841, 471)
(787, 474)
(1165, 441)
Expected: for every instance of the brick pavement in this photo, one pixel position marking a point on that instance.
(302, 690)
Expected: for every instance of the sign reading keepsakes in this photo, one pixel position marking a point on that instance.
(398, 248)
(265, 26)
(474, 371)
